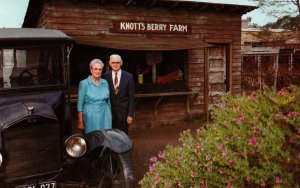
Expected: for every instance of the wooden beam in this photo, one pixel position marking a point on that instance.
(153, 2)
(194, 6)
(203, 7)
(219, 7)
(102, 2)
(149, 2)
(175, 4)
(129, 2)
(74, 1)
(234, 9)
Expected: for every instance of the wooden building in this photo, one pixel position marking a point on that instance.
(269, 57)
(183, 54)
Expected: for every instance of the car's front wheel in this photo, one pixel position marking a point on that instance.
(114, 171)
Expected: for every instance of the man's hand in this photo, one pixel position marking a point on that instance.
(129, 120)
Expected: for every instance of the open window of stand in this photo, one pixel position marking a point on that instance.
(153, 71)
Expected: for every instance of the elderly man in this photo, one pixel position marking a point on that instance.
(121, 86)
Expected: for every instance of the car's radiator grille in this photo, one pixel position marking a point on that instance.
(32, 149)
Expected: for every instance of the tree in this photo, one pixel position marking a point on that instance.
(285, 22)
(276, 7)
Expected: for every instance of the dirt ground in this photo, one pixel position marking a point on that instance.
(147, 142)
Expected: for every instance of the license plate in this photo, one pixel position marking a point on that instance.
(51, 184)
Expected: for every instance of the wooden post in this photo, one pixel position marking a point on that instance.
(154, 73)
(259, 71)
(276, 71)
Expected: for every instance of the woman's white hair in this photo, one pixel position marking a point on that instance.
(96, 61)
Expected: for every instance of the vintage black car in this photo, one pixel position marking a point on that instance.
(37, 146)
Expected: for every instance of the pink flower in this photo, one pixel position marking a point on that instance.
(221, 172)
(236, 108)
(152, 169)
(208, 157)
(278, 114)
(197, 146)
(263, 184)
(225, 123)
(193, 174)
(153, 159)
(252, 97)
(243, 155)
(248, 178)
(203, 184)
(168, 185)
(283, 117)
(293, 114)
(240, 118)
(156, 177)
(197, 149)
(222, 105)
(176, 162)
(273, 121)
(224, 154)
(231, 161)
(219, 147)
(209, 169)
(253, 152)
(252, 141)
(258, 115)
(293, 139)
(278, 180)
(255, 129)
(281, 93)
(162, 155)
(229, 184)
(272, 99)
(179, 183)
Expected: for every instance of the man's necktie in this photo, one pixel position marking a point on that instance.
(116, 83)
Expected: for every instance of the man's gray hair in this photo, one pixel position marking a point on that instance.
(96, 61)
(116, 56)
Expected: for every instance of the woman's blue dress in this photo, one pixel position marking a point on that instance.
(94, 102)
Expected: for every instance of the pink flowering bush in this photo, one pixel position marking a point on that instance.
(254, 141)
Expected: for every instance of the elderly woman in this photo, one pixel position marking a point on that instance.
(93, 105)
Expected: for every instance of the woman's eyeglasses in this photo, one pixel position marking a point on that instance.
(97, 69)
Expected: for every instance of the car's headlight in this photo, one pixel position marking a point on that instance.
(1, 159)
(75, 146)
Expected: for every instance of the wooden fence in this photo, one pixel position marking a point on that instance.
(271, 69)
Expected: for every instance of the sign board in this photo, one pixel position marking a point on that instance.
(150, 27)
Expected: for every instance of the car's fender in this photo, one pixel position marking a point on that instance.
(113, 139)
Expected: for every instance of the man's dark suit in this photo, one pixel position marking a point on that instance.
(122, 104)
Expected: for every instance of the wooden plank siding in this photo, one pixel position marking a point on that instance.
(93, 21)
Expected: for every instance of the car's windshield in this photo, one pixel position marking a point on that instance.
(31, 66)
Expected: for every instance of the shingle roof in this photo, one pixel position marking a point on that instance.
(230, 2)
(229, 6)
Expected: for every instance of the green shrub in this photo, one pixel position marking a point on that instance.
(254, 141)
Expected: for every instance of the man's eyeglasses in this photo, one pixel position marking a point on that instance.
(97, 69)
(115, 63)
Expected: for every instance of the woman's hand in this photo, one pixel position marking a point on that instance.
(80, 121)
(80, 126)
